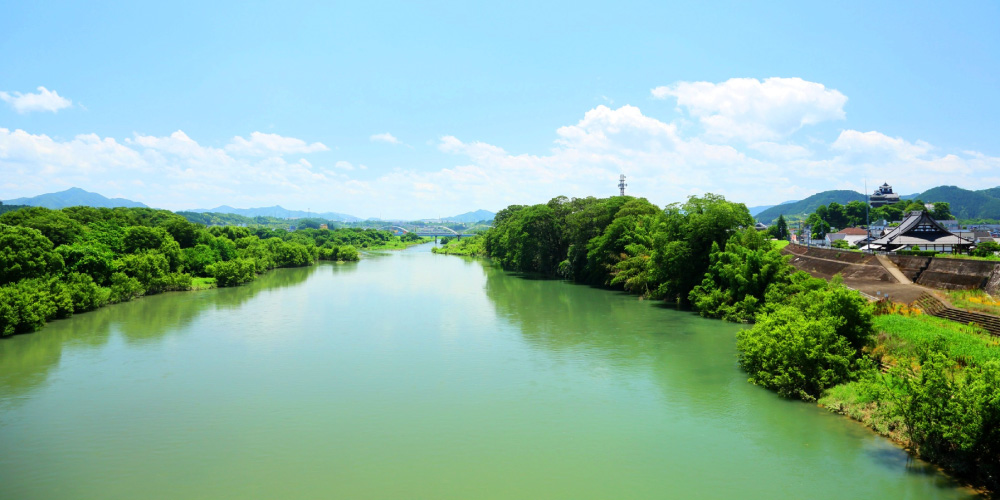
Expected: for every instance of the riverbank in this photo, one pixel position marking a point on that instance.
(470, 247)
(810, 336)
(56, 263)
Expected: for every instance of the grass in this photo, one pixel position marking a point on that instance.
(899, 338)
(779, 244)
(974, 300)
(994, 258)
(202, 283)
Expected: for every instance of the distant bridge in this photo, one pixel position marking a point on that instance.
(434, 231)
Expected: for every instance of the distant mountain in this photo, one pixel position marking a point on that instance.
(966, 204)
(476, 216)
(758, 209)
(73, 197)
(810, 204)
(277, 211)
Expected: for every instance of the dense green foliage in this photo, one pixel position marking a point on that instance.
(739, 278)
(470, 246)
(621, 242)
(54, 263)
(966, 204)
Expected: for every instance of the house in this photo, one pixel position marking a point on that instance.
(852, 235)
(918, 231)
(950, 224)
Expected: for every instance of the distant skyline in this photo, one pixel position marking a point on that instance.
(421, 111)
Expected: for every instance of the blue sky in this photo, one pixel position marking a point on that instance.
(406, 110)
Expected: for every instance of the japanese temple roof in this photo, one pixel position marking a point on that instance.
(918, 228)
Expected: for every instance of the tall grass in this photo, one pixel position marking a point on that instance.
(974, 300)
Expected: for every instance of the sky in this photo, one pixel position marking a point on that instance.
(419, 110)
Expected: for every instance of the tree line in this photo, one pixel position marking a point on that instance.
(54, 263)
(808, 335)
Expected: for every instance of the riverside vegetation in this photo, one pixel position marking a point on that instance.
(930, 385)
(54, 263)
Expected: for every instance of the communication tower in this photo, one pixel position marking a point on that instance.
(621, 184)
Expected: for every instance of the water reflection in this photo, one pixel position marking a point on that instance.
(691, 361)
(27, 360)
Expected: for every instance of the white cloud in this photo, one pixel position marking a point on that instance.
(754, 110)
(386, 137)
(44, 100)
(261, 144)
(665, 161)
(868, 143)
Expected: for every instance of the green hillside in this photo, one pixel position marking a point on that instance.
(966, 204)
(810, 204)
(73, 197)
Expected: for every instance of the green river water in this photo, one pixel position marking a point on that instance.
(414, 375)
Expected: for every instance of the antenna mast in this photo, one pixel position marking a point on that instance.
(621, 184)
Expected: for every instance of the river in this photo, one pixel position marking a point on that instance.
(415, 375)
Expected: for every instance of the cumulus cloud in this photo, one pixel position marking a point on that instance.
(260, 144)
(386, 137)
(753, 110)
(44, 100)
(665, 161)
(180, 173)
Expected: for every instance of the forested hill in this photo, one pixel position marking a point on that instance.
(74, 197)
(810, 204)
(966, 204)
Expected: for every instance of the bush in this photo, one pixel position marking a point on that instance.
(233, 273)
(25, 306)
(124, 288)
(25, 253)
(986, 249)
(348, 254)
(795, 354)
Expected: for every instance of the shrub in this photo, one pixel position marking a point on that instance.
(795, 354)
(233, 272)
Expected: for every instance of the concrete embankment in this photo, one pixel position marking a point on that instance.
(825, 263)
(950, 274)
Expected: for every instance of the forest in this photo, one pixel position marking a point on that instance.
(938, 392)
(54, 263)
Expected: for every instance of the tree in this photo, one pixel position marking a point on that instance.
(54, 224)
(738, 278)
(942, 211)
(986, 249)
(25, 253)
(88, 257)
(779, 230)
(681, 250)
(794, 354)
(836, 215)
(856, 213)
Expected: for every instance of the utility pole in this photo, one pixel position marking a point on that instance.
(868, 222)
(621, 185)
